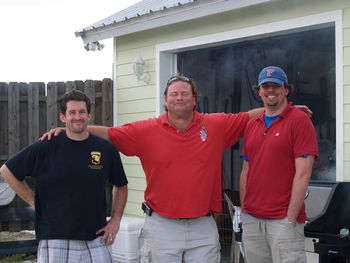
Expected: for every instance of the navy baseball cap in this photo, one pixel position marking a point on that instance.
(273, 74)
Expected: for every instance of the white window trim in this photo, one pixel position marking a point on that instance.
(166, 60)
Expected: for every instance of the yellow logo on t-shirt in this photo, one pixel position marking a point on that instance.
(95, 160)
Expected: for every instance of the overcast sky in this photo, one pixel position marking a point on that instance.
(37, 41)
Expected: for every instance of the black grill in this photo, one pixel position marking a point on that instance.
(328, 220)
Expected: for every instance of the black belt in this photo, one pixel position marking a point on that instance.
(148, 211)
(186, 218)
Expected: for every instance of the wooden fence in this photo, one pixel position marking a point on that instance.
(27, 110)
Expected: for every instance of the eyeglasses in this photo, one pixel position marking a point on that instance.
(175, 78)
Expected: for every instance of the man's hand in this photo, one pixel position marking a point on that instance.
(109, 231)
(305, 109)
(50, 133)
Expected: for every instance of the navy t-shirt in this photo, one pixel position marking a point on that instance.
(70, 178)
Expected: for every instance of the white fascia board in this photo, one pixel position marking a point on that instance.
(164, 18)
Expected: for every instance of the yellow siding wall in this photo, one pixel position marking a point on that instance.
(137, 100)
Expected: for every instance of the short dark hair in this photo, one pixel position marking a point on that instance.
(190, 81)
(75, 95)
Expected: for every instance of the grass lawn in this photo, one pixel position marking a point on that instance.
(17, 258)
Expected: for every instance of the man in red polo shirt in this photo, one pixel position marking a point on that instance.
(180, 152)
(279, 151)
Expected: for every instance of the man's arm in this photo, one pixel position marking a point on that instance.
(120, 195)
(20, 187)
(243, 182)
(255, 112)
(101, 131)
(303, 171)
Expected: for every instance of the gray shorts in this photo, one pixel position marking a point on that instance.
(73, 251)
(180, 240)
(272, 240)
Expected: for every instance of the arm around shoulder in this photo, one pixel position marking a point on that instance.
(255, 112)
(101, 131)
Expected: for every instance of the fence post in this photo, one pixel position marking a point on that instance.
(70, 85)
(51, 105)
(33, 112)
(4, 122)
(107, 102)
(89, 90)
(13, 117)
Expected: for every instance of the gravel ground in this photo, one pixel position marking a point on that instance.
(13, 236)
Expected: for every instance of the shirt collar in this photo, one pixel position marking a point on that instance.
(165, 121)
(283, 114)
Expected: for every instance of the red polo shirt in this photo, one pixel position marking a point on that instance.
(183, 169)
(271, 154)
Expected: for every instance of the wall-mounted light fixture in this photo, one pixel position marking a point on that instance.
(139, 67)
(93, 46)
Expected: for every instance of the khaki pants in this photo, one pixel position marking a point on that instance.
(180, 240)
(272, 240)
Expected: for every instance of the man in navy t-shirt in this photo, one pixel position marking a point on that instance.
(70, 173)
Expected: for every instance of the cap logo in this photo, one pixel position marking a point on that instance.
(269, 72)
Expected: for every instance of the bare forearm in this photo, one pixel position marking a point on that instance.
(20, 187)
(120, 195)
(242, 187)
(243, 183)
(297, 198)
(101, 131)
(299, 188)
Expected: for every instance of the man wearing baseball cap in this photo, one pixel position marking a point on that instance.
(278, 154)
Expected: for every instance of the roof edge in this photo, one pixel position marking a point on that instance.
(165, 17)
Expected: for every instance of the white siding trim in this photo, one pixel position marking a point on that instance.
(164, 64)
(115, 82)
(170, 60)
(339, 102)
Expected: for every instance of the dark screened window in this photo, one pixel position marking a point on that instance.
(225, 75)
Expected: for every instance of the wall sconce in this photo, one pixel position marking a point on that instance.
(138, 67)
